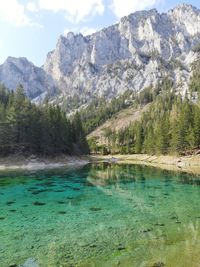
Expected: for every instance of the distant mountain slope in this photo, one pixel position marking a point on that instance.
(36, 81)
(133, 54)
(137, 52)
(118, 122)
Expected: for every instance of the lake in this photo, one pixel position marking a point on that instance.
(99, 215)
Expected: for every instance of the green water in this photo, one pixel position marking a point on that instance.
(100, 215)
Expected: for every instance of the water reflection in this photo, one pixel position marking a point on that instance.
(100, 215)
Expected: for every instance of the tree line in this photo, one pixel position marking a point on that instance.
(171, 125)
(43, 130)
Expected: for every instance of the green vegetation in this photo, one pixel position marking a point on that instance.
(194, 86)
(100, 110)
(26, 128)
(171, 125)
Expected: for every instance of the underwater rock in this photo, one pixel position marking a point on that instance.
(36, 192)
(10, 202)
(76, 189)
(37, 203)
(174, 218)
(32, 188)
(158, 264)
(121, 247)
(150, 196)
(93, 246)
(147, 230)
(159, 224)
(61, 202)
(12, 210)
(30, 263)
(62, 212)
(95, 209)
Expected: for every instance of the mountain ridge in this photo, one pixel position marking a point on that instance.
(139, 51)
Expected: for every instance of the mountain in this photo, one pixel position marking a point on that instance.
(36, 82)
(134, 54)
(137, 52)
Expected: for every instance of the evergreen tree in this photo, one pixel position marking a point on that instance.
(26, 128)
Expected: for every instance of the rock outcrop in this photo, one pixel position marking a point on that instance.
(36, 82)
(140, 50)
(133, 54)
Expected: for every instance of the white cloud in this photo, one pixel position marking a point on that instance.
(125, 7)
(13, 12)
(85, 31)
(76, 10)
(31, 6)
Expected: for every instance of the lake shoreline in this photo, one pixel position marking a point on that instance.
(40, 163)
(189, 164)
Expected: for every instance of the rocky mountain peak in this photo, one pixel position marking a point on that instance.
(140, 50)
(186, 19)
(132, 54)
(15, 71)
(184, 7)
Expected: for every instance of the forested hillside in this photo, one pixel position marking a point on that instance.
(26, 128)
(171, 124)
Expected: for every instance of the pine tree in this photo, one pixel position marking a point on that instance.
(138, 138)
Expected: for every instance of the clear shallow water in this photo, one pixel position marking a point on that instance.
(101, 215)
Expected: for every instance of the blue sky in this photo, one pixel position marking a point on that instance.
(31, 28)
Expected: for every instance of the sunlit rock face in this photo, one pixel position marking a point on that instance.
(133, 54)
(137, 52)
(36, 82)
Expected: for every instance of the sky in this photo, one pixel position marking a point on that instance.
(31, 28)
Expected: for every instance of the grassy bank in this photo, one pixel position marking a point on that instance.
(190, 164)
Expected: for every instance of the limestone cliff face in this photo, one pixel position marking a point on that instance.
(137, 52)
(36, 81)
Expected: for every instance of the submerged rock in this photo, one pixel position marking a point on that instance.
(10, 202)
(121, 247)
(30, 263)
(146, 230)
(95, 209)
(37, 203)
(62, 212)
(158, 264)
(159, 224)
(12, 210)
(61, 202)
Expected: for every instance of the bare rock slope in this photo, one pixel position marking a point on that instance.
(133, 54)
(137, 52)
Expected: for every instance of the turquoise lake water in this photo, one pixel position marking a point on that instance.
(100, 215)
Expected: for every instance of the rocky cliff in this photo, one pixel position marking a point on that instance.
(36, 82)
(137, 52)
